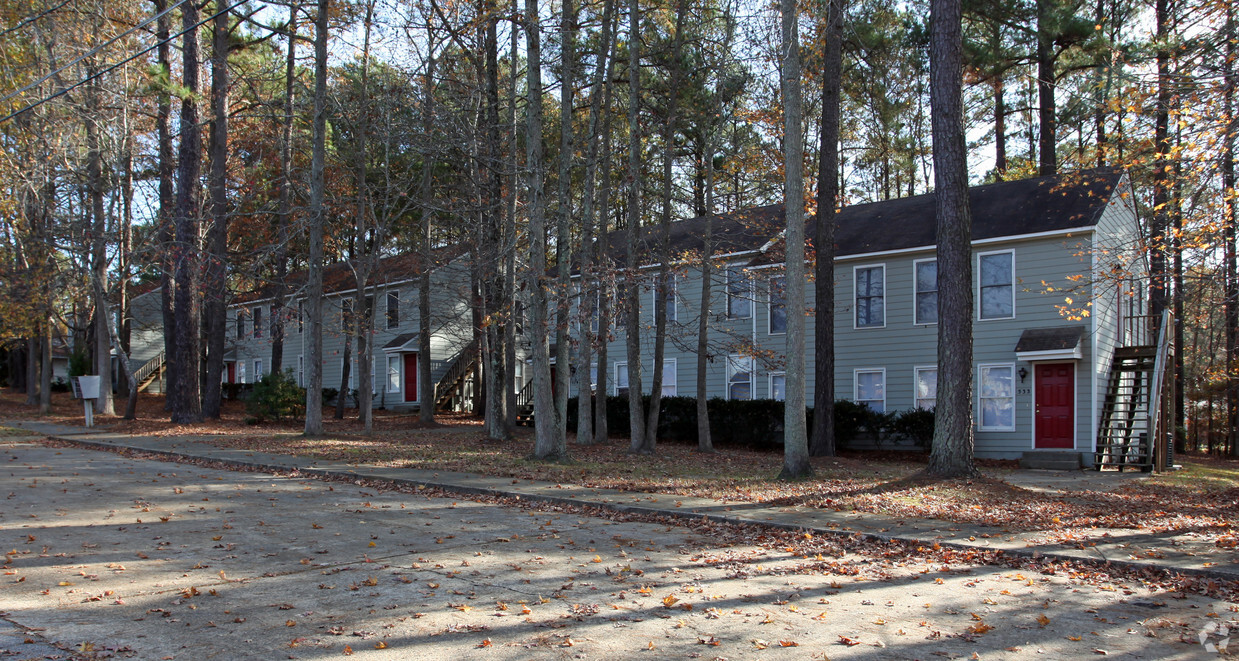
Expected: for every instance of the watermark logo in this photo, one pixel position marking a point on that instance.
(1211, 631)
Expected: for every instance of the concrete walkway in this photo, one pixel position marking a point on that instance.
(1185, 553)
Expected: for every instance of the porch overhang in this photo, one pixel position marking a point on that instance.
(1056, 343)
(402, 343)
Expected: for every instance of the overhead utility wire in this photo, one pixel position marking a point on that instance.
(94, 51)
(131, 58)
(34, 18)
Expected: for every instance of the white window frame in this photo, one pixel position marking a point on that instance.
(256, 317)
(300, 316)
(241, 371)
(856, 386)
(387, 311)
(746, 295)
(856, 296)
(916, 385)
(916, 291)
(735, 362)
(239, 322)
(301, 370)
(396, 360)
(770, 385)
(257, 370)
(981, 287)
(981, 426)
(621, 367)
(770, 306)
(675, 377)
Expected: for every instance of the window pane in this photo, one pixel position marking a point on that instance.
(669, 378)
(738, 295)
(778, 305)
(671, 311)
(998, 412)
(927, 276)
(393, 373)
(393, 309)
(257, 322)
(778, 387)
(997, 286)
(926, 388)
(621, 377)
(927, 292)
(739, 377)
(870, 297)
(996, 269)
(996, 382)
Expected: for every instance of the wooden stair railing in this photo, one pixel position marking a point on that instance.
(459, 370)
(149, 370)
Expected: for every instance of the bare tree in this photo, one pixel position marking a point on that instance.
(632, 293)
(314, 288)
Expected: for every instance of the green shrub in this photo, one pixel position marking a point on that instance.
(850, 418)
(60, 385)
(915, 424)
(79, 363)
(329, 395)
(276, 396)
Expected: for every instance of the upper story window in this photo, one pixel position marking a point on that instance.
(671, 308)
(926, 276)
(778, 306)
(393, 309)
(739, 294)
(870, 296)
(241, 326)
(346, 314)
(300, 316)
(257, 323)
(997, 282)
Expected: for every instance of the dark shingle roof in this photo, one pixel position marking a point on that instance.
(1007, 208)
(339, 277)
(1050, 339)
(736, 232)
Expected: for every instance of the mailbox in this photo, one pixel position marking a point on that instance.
(88, 387)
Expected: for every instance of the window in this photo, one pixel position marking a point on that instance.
(671, 289)
(241, 326)
(997, 285)
(870, 296)
(739, 294)
(621, 379)
(393, 309)
(669, 377)
(871, 389)
(393, 373)
(926, 387)
(301, 370)
(593, 377)
(778, 386)
(595, 314)
(997, 397)
(739, 377)
(300, 315)
(346, 314)
(926, 291)
(257, 323)
(778, 305)
(241, 371)
(257, 370)
(519, 380)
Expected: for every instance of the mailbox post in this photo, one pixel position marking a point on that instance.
(87, 387)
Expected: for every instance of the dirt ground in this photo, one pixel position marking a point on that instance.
(114, 557)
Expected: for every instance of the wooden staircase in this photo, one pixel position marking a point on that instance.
(450, 390)
(1133, 430)
(524, 405)
(149, 371)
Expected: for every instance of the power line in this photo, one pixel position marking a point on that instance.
(32, 19)
(94, 51)
(131, 58)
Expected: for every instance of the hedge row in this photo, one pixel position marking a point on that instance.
(758, 423)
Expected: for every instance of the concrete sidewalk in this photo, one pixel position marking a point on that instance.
(1185, 553)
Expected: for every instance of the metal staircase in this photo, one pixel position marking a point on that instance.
(451, 391)
(1134, 432)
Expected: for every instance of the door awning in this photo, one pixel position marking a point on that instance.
(401, 343)
(1056, 343)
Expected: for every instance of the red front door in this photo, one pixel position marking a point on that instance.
(410, 377)
(1054, 402)
(232, 373)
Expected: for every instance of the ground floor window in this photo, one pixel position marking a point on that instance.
(257, 370)
(871, 389)
(301, 370)
(393, 374)
(996, 395)
(621, 379)
(669, 377)
(739, 377)
(778, 386)
(241, 371)
(926, 387)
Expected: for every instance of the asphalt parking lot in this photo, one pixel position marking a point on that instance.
(110, 557)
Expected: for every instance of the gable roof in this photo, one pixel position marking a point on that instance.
(744, 231)
(339, 277)
(1005, 208)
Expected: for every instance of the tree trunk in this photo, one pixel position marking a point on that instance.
(1000, 126)
(497, 382)
(704, 442)
(99, 245)
(314, 284)
(284, 216)
(187, 404)
(632, 300)
(823, 442)
(546, 424)
(1230, 234)
(795, 444)
(215, 307)
(591, 285)
(1161, 176)
(426, 388)
(953, 441)
(167, 202)
(1046, 82)
(563, 237)
(509, 243)
(368, 239)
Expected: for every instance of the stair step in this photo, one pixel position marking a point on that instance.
(1051, 460)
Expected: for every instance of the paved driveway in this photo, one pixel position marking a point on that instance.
(112, 557)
